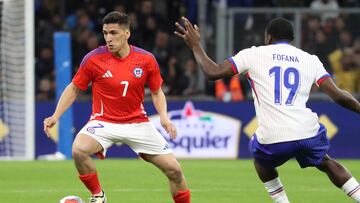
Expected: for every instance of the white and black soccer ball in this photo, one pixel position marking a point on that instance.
(71, 199)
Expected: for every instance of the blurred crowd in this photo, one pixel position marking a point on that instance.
(331, 36)
(152, 24)
(335, 38)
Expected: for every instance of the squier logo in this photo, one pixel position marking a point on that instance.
(202, 134)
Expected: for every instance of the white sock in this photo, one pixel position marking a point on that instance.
(352, 189)
(99, 194)
(276, 191)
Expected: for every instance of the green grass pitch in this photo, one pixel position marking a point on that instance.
(135, 181)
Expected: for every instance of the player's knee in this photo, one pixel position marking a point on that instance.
(327, 164)
(174, 173)
(78, 153)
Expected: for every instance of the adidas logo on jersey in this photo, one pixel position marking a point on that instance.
(107, 74)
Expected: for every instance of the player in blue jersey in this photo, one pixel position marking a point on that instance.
(281, 77)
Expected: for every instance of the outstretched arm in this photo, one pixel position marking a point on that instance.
(159, 101)
(67, 98)
(340, 96)
(191, 35)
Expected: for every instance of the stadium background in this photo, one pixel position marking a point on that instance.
(215, 119)
(326, 29)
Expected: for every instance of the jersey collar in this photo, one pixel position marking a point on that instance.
(122, 59)
(282, 42)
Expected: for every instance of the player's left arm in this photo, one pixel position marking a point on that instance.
(159, 100)
(191, 35)
(327, 85)
(341, 97)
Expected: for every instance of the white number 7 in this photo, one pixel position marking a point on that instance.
(126, 83)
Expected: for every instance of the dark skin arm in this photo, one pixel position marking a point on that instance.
(341, 97)
(191, 35)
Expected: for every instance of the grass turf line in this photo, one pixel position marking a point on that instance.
(135, 181)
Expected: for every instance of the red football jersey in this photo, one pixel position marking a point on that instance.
(118, 84)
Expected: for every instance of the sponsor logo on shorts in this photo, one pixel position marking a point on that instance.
(91, 129)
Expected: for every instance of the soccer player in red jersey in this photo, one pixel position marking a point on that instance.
(118, 73)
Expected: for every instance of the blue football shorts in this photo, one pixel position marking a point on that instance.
(307, 152)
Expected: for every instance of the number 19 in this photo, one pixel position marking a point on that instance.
(291, 81)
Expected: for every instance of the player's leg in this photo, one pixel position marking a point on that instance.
(340, 177)
(314, 153)
(265, 174)
(83, 147)
(145, 140)
(269, 176)
(265, 164)
(168, 164)
(336, 172)
(93, 138)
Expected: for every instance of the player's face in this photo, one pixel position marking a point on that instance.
(116, 36)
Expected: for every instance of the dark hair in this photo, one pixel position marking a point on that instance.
(115, 17)
(280, 29)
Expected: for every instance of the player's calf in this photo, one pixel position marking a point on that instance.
(179, 190)
(168, 164)
(341, 177)
(336, 172)
(174, 174)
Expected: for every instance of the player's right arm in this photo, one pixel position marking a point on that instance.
(340, 96)
(191, 35)
(66, 100)
(80, 81)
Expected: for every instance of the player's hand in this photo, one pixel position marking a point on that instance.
(169, 127)
(49, 122)
(189, 33)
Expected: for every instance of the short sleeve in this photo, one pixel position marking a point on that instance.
(154, 79)
(321, 74)
(242, 61)
(84, 75)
